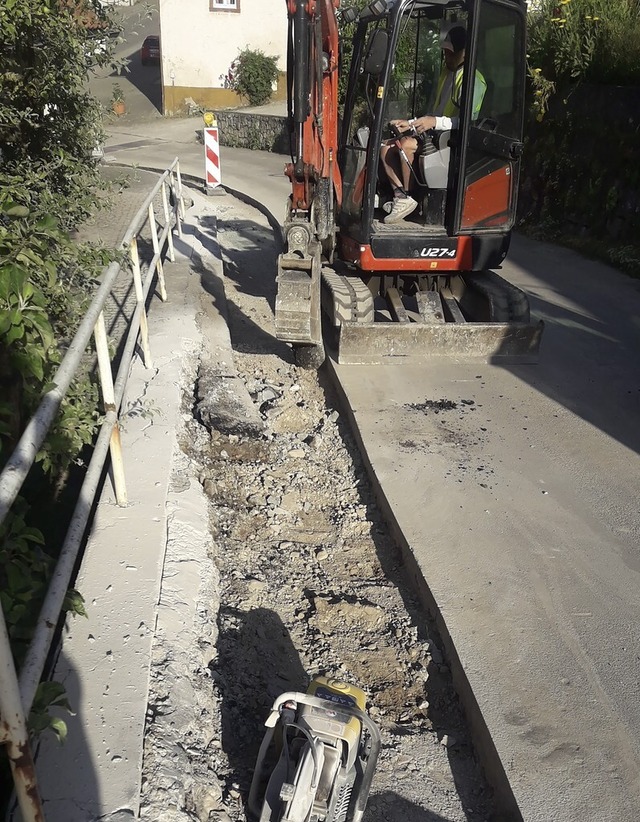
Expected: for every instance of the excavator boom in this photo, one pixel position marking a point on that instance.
(312, 77)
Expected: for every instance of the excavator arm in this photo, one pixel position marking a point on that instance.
(316, 184)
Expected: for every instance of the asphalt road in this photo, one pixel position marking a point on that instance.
(142, 85)
(520, 507)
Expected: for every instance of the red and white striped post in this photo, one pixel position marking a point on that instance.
(212, 173)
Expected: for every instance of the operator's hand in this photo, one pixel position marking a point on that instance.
(422, 124)
(417, 125)
(401, 125)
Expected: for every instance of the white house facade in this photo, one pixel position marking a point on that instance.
(200, 39)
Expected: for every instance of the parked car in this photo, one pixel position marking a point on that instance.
(150, 51)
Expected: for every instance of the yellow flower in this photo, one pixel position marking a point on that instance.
(564, 2)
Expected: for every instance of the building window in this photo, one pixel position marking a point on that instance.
(224, 5)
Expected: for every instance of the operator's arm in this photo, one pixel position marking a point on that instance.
(428, 122)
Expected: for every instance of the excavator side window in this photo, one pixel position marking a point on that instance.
(360, 119)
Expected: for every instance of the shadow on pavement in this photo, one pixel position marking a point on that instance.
(256, 661)
(589, 354)
(146, 79)
(67, 777)
(389, 807)
(252, 269)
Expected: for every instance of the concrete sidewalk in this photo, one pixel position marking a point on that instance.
(104, 660)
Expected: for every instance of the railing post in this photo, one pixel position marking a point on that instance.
(156, 250)
(109, 401)
(167, 220)
(137, 284)
(13, 732)
(180, 197)
(176, 202)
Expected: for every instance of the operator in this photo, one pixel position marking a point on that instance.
(397, 155)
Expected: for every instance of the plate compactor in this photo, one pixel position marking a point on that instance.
(317, 758)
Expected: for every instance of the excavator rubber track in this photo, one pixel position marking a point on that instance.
(479, 316)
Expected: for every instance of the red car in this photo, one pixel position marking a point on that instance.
(150, 51)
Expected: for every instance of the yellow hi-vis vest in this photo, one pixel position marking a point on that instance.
(452, 106)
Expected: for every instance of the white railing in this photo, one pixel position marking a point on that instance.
(17, 693)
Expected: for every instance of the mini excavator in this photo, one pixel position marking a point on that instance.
(427, 285)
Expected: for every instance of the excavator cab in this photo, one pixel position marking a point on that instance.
(464, 178)
(424, 285)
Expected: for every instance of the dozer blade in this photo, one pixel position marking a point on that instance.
(381, 342)
(474, 317)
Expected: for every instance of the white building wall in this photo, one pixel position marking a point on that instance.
(199, 45)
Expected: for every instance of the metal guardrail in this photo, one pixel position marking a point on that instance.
(17, 693)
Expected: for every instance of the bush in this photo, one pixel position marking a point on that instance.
(573, 41)
(254, 75)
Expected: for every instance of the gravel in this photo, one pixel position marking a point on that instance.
(300, 577)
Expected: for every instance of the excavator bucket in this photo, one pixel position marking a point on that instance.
(297, 312)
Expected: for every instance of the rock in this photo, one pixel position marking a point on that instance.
(206, 799)
(223, 402)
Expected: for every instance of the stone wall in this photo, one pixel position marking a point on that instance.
(259, 132)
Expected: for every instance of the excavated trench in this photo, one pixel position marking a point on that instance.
(307, 580)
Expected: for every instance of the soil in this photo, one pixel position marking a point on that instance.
(308, 581)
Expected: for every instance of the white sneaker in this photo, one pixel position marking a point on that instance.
(401, 208)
